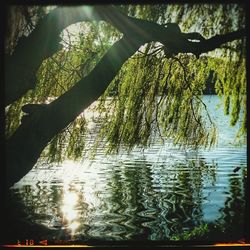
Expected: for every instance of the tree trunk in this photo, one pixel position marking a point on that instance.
(24, 147)
(41, 43)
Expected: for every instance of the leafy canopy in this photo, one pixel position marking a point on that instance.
(152, 95)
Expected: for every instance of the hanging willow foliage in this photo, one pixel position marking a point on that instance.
(168, 101)
(152, 97)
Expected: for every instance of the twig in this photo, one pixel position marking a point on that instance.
(186, 83)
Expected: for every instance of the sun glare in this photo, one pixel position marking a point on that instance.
(70, 213)
(73, 226)
(70, 198)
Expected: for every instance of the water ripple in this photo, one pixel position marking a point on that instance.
(152, 195)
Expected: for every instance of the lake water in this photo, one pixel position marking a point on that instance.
(153, 194)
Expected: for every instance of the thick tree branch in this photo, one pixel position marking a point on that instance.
(43, 123)
(41, 44)
(173, 39)
(212, 43)
(44, 41)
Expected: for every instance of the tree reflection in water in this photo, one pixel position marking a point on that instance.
(159, 201)
(232, 214)
(137, 200)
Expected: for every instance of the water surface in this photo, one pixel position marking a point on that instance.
(153, 194)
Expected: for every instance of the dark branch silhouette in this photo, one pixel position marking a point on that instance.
(44, 41)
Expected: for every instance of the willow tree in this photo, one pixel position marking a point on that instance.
(155, 61)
